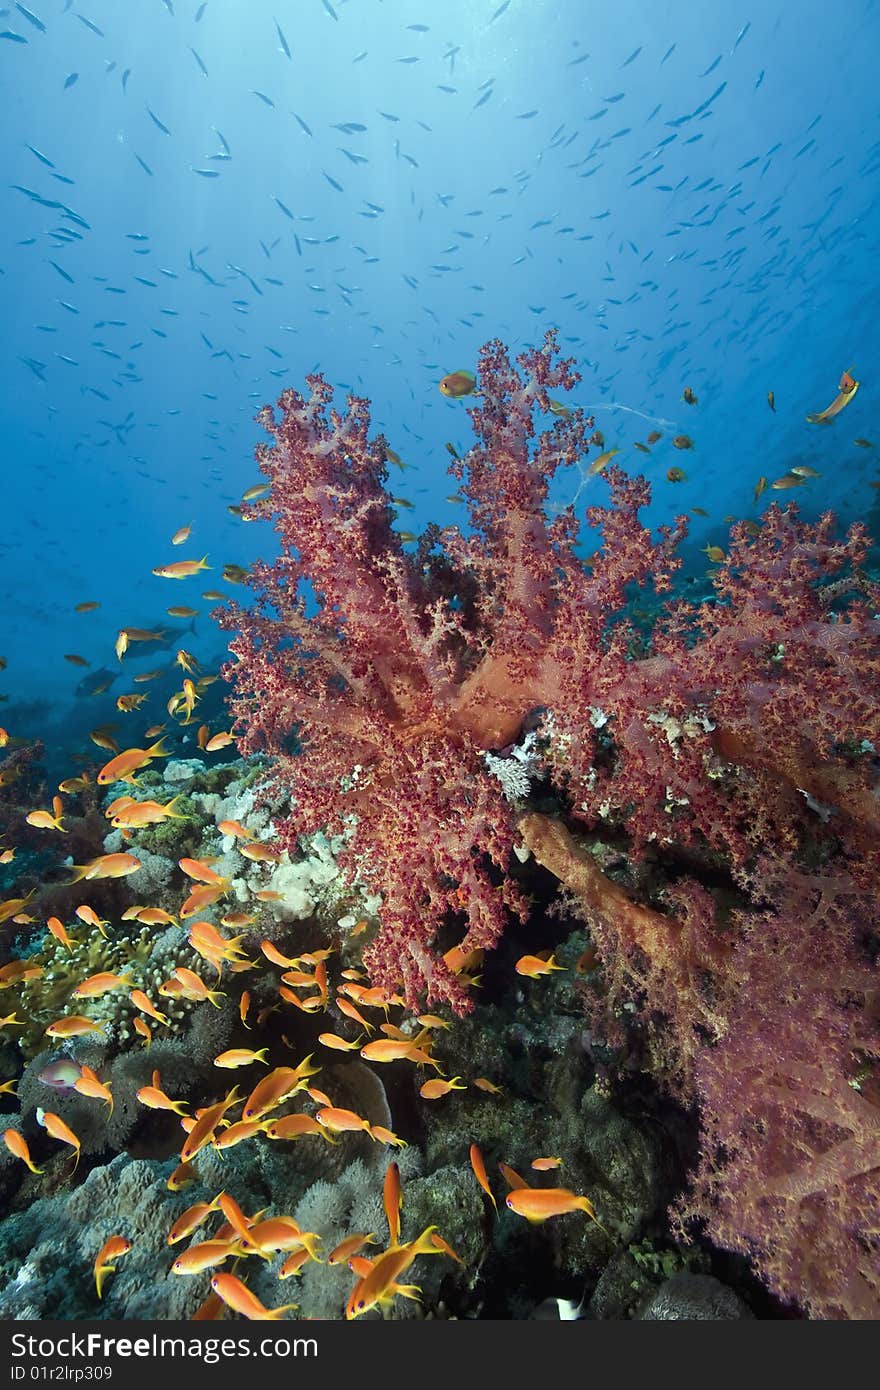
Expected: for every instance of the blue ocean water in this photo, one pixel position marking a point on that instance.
(201, 203)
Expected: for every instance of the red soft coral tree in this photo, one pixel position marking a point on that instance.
(740, 735)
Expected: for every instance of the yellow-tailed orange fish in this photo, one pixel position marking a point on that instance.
(296, 1127)
(241, 1057)
(202, 1132)
(141, 1026)
(479, 1170)
(99, 984)
(73, 1026)
(205, 1256)
(44, 820)
(239, 1298)
(544, 1165)
(183, 1176)
(88, 1083)
(382, 1279)
(59, 931)
(483, 1084)
(154, 1098)
(342, 1253)
(533, 966)
(58, 1129)
(235, 829)
(260, 853)
(433, 1090)
(181, 534)
(538, 1203)
(18, 1147)
(181, 569)
(191, 1219)
(141, 1001)
(715, 553)
(106, 866)
(124, 765)
(112, 1249)
(221, 740)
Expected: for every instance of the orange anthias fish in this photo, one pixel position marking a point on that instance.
(479, 1170)
(155, 1098)
(90, 1084)
(433, 1090)
(18, 1147)
(539, 1203)
(847, 388)
(380, 1283)
(457, 384)
(181, 569)
(142, 1001)
(124, 765)
(112, 1249)
(239, 1298)
(96, 985)
(106, 866)
(533, 966)
(73, 1026)
(56, 1127)
(191, 1219)
(202, 1132)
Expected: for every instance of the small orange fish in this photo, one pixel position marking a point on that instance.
(241, 1057)
(235, 829)
(59, 931)
(181, 569)
(788, 480)
(124, 765)
(332, 1040)
(533, 966)
(183, 1175)
(182, 534)
(112, 1249)
(296, 1127)
(260, 853)
(202, 1132)
(676, 475)
(539, 1203)
(75, 659)
(433, 1090)
(544, 1165)
(73, 1026)
(342, 1253)
(342, 1121)
(191, 1219)
(204, 1256)
(715, 553)
(85, 607)
(760, 485)
(683, 441)
(482, 1084)
(239, 1298)
(141, 1026)
(688, 395)
(44, 820)
(142, 1002)
(276, 957)
(96, 985)
(18, 1147)
(479, 1170)
(218, 741)
(56, 1127)
(154, 1098)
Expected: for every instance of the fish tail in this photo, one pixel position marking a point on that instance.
(79, 873)
(101, 1275)
(275, 1314)
(203, 565)
(424, 1244)
(158, 750)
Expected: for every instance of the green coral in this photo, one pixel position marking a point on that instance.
(41, 1001)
